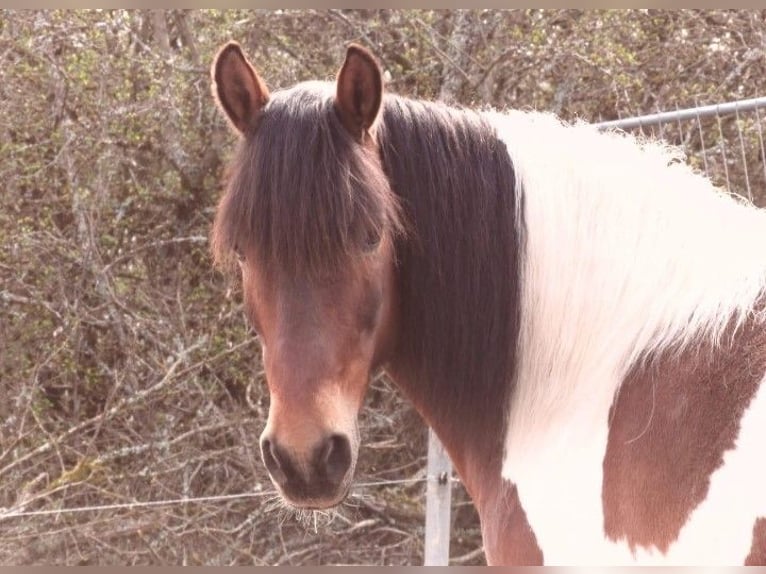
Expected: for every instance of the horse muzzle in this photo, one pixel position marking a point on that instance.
(313, 479)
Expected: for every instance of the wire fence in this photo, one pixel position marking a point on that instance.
(18, 512)
(724, 141)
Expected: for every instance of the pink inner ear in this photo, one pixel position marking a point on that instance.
(359, 90)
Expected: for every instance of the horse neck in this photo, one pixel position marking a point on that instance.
(623, 255)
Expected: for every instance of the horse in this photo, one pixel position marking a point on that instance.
(578, 314)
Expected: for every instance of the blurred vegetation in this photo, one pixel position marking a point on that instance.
(127, 371)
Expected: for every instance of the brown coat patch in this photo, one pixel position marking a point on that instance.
(757, 556)
(508, 537)
(671, 423)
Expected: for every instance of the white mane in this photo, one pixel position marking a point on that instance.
(626, 251)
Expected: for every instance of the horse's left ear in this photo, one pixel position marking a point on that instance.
(359, 91)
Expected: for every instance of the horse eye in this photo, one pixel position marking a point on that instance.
(371, 241)
(240, 255)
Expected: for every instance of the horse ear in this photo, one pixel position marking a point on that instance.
(359, 91)
(237, 88)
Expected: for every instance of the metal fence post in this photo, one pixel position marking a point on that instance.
(438, 501)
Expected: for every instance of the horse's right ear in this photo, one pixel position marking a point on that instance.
(237, 88)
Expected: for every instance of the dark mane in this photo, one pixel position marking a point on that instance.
(459, 277)
(301, 194)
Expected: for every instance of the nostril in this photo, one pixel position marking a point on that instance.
(336, 457)
(275, 463)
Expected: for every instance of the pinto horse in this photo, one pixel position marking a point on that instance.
(578, 315)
